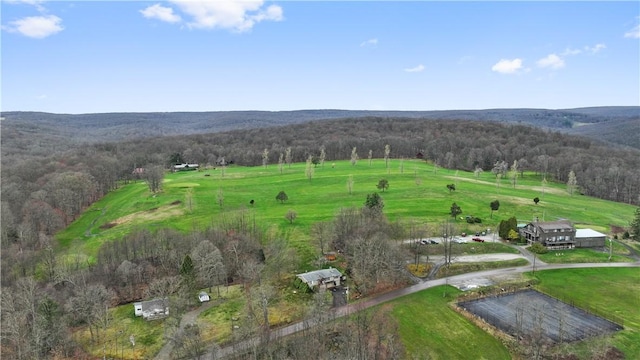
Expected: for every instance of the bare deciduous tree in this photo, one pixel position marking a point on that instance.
(321, 233)
(354, 156)
(291, 215)
(513, 173)
(220, 197)
(209, 265)
(281, 163)
(153, 175)
(288, 158)
(387, 152)
(572, 182)
(265, 157)
(309, 168)
(323, 156)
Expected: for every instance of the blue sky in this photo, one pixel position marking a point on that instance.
(138, 56)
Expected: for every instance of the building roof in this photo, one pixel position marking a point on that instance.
(154, 304)
(552, 225)
(317, 275)
(588, 233)
(185, 166)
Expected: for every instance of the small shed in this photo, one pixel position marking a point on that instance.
(152, 309)
(590, 238)
(203, 297)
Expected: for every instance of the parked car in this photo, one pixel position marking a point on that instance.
(433, 242)
(478, 239)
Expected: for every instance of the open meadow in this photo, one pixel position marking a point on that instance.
(417, 191)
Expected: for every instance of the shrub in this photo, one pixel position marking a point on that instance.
(473, 220)
(538, 248)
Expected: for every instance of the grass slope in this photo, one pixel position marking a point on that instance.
(190, 200)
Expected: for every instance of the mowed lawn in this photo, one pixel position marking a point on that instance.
(614, 292)
(191, 200)
(430, 329)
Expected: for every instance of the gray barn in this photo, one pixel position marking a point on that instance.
(589, 238)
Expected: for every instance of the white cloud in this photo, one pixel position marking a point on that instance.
(38, 27)
(633, 33)
(596, 48)
(35, 3)
(369, 43)
(506, 66)
(418, 68)
(160, 12)
(551, 61)
(228, 14)
(570, 51)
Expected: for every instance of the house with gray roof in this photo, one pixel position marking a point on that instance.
(324, 279)
(152, 309)
(552, 234)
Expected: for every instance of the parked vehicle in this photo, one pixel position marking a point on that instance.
(478, 239)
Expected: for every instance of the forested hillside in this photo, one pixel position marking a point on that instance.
(48, 180)
(44, 192)
(30, 130)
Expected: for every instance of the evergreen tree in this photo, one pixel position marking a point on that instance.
(455, 210)
(282, 196)
(506, 226)
(188, 273)
(634, 226)
(495, 205)
(383, 184)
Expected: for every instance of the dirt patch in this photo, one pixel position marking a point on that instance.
(617, 229)
(108, 225)
(159, 213)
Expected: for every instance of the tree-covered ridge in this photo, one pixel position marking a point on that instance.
(92, 128)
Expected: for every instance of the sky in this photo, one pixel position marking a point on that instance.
(162, 56)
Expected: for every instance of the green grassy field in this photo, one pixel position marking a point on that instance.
(585, 256)
(613, 292)
(415, 191)
(430, 329)
(114, 342)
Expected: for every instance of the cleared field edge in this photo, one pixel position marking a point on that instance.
(532, 313)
